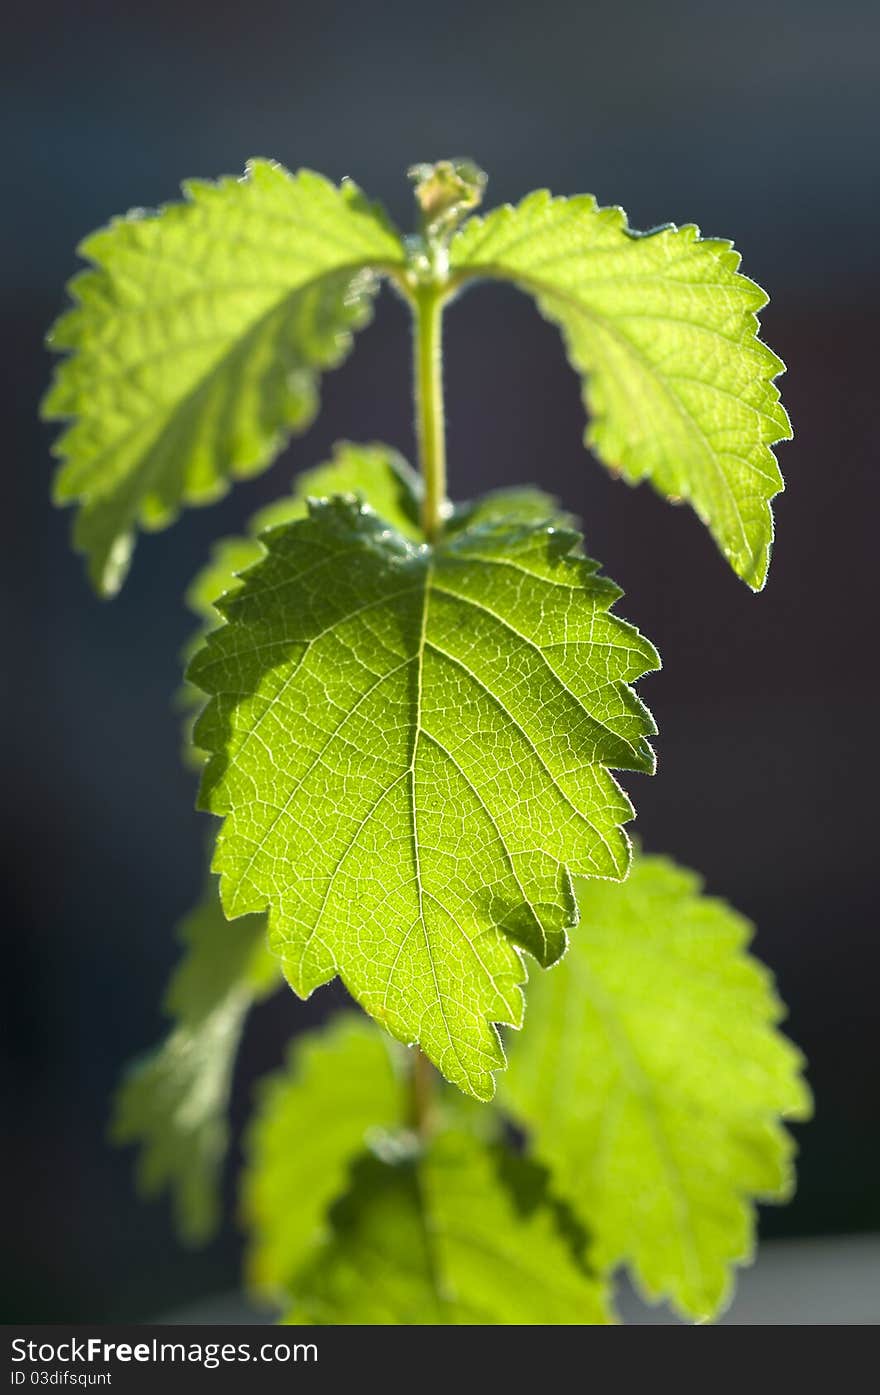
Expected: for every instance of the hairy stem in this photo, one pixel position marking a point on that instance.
(430, 422)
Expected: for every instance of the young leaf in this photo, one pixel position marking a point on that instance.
(653, 1081)
(340, 1086)
(664, 329)
(375, 474)
(411, 747)
(463, 1235)
(522, 503)
(173, 1101)
(196, 344)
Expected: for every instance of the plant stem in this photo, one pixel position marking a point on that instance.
(427, 303)
(421, 1093)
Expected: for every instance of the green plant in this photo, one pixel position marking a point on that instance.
(407, 714)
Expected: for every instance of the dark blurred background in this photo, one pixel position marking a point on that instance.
(759, 121)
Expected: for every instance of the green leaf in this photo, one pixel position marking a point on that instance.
(411, 749)
(376, 475)
(664, 330)
(173, 1102)
(462, 1235)
(341, 1086)
(654, 1083)
(196, 343)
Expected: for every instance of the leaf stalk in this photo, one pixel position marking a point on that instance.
(421, 1100)
(427, 302)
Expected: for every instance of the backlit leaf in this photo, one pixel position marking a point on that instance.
(196, 343)
(411, 748)
(663, 329)
(172, 1103)
(654, 1082)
